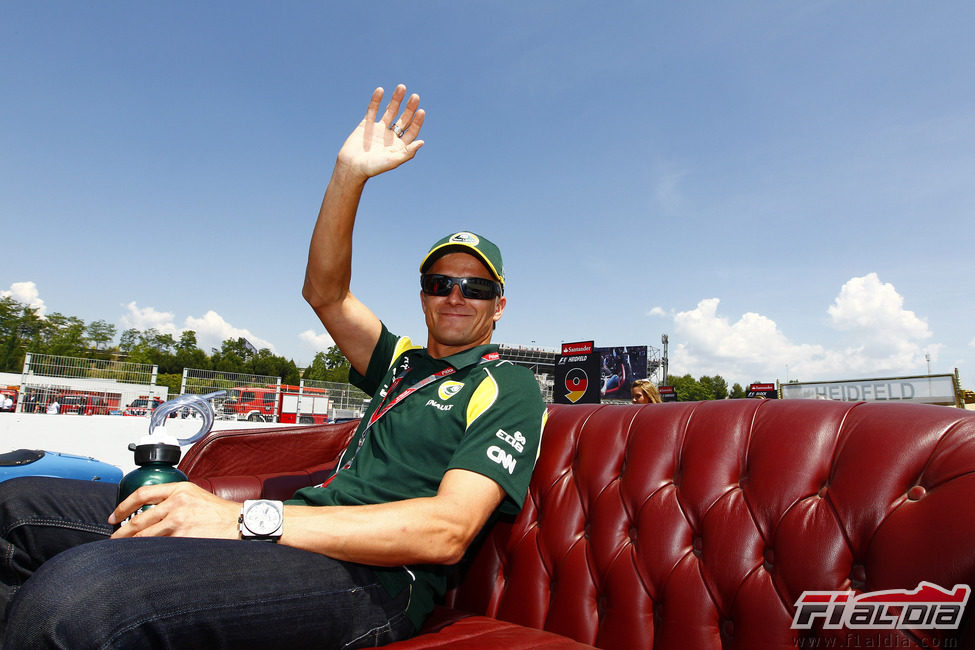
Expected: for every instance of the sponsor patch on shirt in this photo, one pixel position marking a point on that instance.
(437, 405)
(448, 389)
(517, 441)
(502, 458)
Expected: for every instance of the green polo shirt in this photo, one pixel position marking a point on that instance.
(486, 417)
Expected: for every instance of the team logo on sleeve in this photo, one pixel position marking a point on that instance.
(448, 389)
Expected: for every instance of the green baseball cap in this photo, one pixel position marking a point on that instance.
(467, 242)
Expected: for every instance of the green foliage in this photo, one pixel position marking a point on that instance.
(172, 381)
(329, 366)
(22, 331)
(737, 392)
(689, 389)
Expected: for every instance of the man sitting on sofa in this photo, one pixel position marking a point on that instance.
(450, 437)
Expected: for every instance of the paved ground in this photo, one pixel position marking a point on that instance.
(103, 437)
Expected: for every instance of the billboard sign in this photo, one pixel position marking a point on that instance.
(577, 374)
(618, 368)
(927, 389)
(762, 391)
(667, 393)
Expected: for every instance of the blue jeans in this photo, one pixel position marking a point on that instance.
(63, 584)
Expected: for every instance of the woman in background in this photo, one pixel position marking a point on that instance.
(644, 392)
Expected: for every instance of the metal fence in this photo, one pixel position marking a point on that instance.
(70, 385)
(260, 398)
(49, 365)
(80, 386)
(345, 400)
(246, 397)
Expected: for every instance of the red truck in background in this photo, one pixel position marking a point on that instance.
(293, 405)
(78, 403)
(11, 392)
(142, 405)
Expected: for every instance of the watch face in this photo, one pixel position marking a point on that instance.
(262, 518)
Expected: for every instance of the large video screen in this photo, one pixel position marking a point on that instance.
(619, 368)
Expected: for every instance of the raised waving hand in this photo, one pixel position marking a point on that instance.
(376, 146)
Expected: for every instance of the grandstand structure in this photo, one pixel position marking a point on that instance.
(540, 361)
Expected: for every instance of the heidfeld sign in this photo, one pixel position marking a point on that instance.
(577, 374)
(927, 389)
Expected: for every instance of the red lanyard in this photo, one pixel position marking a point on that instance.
(384, 408)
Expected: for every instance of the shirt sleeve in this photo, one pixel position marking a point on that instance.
(388, 348)
(504, 423)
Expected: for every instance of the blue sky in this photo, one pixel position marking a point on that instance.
(785, 189)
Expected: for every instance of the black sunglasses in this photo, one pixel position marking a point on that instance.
(434, 284)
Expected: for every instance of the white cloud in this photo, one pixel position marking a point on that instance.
(867, 304)
(212, 330)
(26, 293)
(317, 342)
(145, 318)
(657, 311)
(878, 337)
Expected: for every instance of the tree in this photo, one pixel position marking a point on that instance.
(100, 333)
(187, 341)
(716, 387)
(19, 327)
(192, 357)
(737, 392)
(171, 381)
(128, 339)
(63, 335)
(329, 366)
(23, 330)
(688, 389)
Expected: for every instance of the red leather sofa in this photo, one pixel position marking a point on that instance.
(695, 525)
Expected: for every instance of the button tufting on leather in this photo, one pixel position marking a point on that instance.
(916, 493)
(728, 627)
(698, 545)
(768, 559)
(858, 576)
(822, 492)
(632, 534)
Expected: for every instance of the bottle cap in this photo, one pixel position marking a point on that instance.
(156, 448)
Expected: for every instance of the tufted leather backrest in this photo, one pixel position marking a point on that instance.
(698, 525)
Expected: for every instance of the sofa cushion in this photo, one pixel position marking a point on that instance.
(698, 525)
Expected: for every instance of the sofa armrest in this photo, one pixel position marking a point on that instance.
(279, 486)
(256, 452)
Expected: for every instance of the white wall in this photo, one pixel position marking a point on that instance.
(103, 437)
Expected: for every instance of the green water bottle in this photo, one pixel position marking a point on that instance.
(156, 456)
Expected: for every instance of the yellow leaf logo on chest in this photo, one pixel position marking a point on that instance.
(448, 389)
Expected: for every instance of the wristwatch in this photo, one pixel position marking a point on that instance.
(261, 519)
